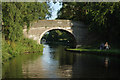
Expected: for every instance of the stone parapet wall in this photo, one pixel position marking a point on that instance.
(52, 23)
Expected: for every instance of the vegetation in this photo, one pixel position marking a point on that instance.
(102, 18)
(110, 52)
(60, 36)
(97, 50)
(12, 49)
(15, 17)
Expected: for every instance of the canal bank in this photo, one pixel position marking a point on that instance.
(24, 46)
(110, 52)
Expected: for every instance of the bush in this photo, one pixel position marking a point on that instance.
(11, 49)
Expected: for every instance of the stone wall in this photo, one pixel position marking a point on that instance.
(36, 33)
(78, 29)
(51, 23)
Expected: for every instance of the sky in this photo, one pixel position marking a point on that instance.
(55, 8)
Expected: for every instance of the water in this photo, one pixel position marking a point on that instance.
(57, 63)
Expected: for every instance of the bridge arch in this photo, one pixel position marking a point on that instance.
(76, 28)
(57, 28)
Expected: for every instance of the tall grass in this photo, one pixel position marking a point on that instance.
(12, 49)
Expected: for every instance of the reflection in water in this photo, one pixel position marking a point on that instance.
(106, 62)
(57, 63)
(43, 67)
(65, 71)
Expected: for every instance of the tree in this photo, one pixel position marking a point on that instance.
(102, 18)
(17, 15)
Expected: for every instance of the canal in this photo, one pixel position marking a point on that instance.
(58, 63)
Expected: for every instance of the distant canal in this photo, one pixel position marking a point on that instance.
(57, 63)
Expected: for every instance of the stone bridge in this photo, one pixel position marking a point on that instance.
(39, 28)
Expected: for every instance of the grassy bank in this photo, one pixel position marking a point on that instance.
(97, 50)
(111, 52)
(12, 49)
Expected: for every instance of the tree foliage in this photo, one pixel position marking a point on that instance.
(102, 17)
(60, 36)
(17, 15)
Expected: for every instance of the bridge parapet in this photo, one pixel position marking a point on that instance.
(52, 23)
